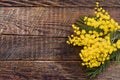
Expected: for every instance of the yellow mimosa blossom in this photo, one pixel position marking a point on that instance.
(97, 47)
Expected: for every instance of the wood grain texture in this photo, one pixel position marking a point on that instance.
(41, 70)
(58, 3)
(36, 48)
(52, 70)
(48, 22)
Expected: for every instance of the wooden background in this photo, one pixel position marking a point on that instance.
(33, 39)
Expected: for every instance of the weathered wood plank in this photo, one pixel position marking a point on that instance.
(59, 3)
(52, 70)
(41, 70)
(49, 22)
(54, 22)
(36, 48)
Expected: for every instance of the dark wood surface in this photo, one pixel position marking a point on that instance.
(33, 36)
(52, 70)
(58, 3)
(41, 70)
(15, 47)
(42, 21)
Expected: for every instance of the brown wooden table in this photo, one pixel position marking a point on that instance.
(33, 39)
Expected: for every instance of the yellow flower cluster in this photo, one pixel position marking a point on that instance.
(102, 20)
(96, 49)
(97, 54)
(97, 46)
(118, 44)
(82, 38)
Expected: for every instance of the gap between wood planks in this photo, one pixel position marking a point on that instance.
(42, 36)
(37, 61)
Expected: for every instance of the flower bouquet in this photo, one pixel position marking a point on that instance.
(98, 35)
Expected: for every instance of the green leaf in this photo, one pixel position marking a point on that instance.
(117, 56)
(113, 37)
(113, 55)
(117, 35)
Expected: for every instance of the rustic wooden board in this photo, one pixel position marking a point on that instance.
(41, 21)
(41, 70)
(58, 3)
(18, 47)
(52, 70)
(48, 22)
